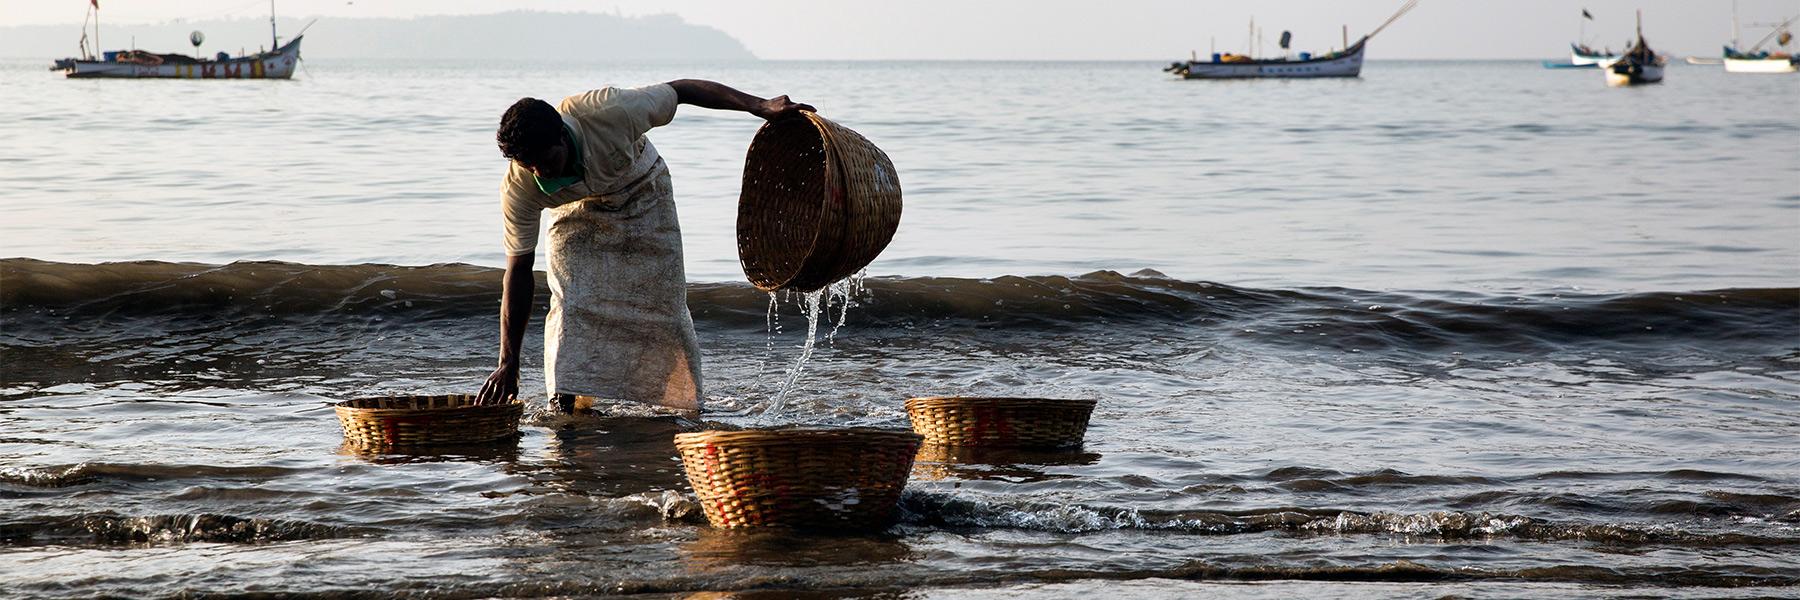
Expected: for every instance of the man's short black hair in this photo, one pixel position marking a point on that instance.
(530, 126)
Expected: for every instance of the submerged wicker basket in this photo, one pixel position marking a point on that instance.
(843, 479)
(1000, 422)
(819, 203)
(405, 421)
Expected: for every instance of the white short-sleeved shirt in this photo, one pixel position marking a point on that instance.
(609, 124)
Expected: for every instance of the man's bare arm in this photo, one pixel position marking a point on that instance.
(708, 94)
(517, 290)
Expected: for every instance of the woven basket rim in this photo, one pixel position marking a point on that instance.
(352, 404)
(796, 437)
(999, 401)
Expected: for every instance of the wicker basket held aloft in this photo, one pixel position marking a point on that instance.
(819, 203)
(845, 479)
(1000, 422)
(407, 421)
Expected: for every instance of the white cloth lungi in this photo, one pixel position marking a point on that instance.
(619, 327)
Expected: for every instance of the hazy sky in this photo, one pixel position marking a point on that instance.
(1056, 29)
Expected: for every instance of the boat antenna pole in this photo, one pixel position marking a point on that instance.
(274, 40)
(1397, 14)
(1736, 44)
(1779, 27)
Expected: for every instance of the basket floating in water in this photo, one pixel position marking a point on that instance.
(1000, 422)
(819, 202)
(842, 479)
(406, 421)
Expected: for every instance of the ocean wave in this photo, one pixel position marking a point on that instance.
(47, 296)
(92, 473)
(937, 509)
(108, 528)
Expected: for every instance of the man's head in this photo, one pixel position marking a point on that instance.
(531, 133)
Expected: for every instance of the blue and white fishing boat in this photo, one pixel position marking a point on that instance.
(1342, 63)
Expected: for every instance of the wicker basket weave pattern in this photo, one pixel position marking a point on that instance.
(426, 420)
(1000, 422)
(819, 203)
(847, 479)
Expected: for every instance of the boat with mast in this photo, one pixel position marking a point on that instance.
(1339, 63)
(1582, 56)
(1757, 59)
(278, 63)
(1639, 65)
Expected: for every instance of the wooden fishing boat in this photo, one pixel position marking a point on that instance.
(1639, 65)
(1347, 63)
(277, 63)
(1342, 63)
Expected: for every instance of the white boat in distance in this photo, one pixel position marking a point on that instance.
(1583, 56)
(1771, 64)
(1344, 63)
(1758, 60)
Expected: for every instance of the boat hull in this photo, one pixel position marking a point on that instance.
(1348, 64)
(1759, 65)
(1581, 59)
(1623, 73)
(279, 64)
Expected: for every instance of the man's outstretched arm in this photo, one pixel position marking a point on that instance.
(517, 289)
(708, 94)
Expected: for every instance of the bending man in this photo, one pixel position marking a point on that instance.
(619, 328)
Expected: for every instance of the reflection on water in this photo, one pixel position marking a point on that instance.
(610, 456)
(717, 549)
(1019, 465)
(504, 450)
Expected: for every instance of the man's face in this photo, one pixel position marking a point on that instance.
(549, 162)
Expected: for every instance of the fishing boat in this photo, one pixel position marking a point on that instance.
(1757, 59)
(1341, 63)
(1580, 55)
(278, 63)
(1639, 65)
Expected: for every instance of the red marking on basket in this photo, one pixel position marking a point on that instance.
(390, 426)
(711, 462)
(991, 425)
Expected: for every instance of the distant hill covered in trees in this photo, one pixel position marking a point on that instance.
(509, 35)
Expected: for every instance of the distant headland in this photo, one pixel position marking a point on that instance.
(508, 35)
